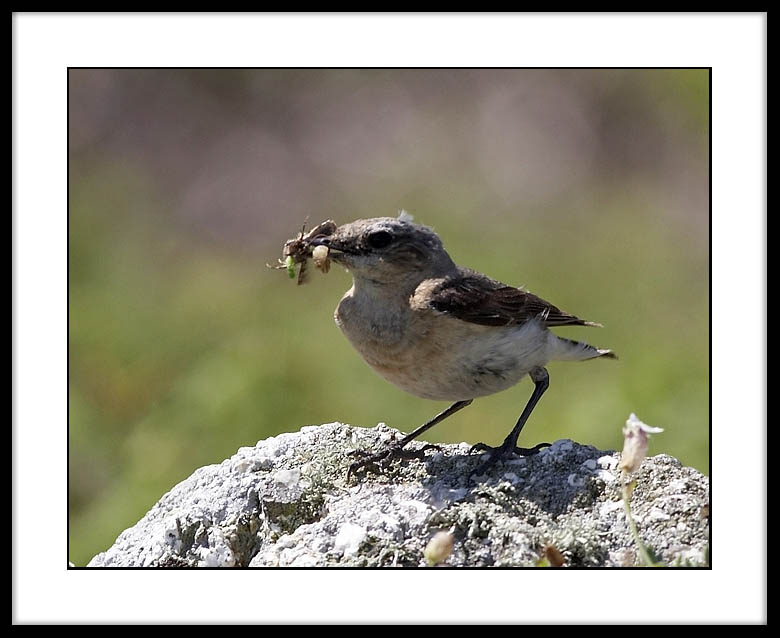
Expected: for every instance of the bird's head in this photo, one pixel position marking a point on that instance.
(387, 250)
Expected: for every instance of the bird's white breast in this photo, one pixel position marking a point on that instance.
(435, 356)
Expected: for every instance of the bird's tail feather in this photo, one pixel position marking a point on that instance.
(571, 350)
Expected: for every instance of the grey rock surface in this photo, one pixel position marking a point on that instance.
(287, 502)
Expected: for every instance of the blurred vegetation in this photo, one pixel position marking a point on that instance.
(183, 346)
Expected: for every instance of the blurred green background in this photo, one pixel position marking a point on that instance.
(589, 187)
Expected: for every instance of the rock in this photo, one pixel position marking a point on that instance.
(286, 502)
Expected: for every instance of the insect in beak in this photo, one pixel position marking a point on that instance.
(301, 248)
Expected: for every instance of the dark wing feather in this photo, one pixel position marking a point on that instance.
(475, 298)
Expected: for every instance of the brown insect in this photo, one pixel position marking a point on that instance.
(299, 250)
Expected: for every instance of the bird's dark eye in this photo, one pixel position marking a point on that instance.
(379, 239)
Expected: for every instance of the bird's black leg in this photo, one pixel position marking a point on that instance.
(541, 382)
(396, 449)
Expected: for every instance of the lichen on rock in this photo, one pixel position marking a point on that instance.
(287, 502)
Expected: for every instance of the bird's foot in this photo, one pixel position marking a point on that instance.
(501, 452)
(381, 460)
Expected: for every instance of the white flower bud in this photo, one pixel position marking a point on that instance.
(439, 548)
(635, 443)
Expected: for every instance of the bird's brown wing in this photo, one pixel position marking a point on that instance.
(473, 297)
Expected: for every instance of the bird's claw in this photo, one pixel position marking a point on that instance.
(499, 453)
(379, 460)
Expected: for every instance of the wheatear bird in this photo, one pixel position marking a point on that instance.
(440, 331)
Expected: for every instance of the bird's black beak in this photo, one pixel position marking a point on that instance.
(331, 243)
